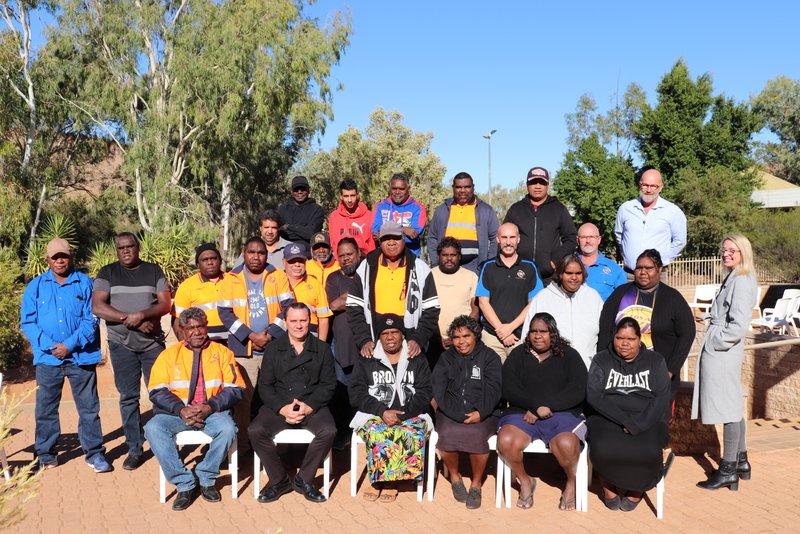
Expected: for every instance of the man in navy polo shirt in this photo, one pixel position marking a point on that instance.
(505, 287)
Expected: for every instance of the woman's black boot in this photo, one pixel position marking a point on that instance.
(743, 468)
(722, 477)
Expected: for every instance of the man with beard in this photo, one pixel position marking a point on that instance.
(650, 221)
(505, 288)
(468, 219)
(301, 215)
(193, 386)
(344, 346)
(322, 263)
(352, 219)
(202, 290)
(401, 208)
(131, 295)
(455, 286)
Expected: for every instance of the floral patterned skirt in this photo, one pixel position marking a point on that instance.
(394, 452)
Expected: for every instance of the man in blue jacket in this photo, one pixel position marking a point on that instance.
(403, 209)
(468, 219)
(57, 319)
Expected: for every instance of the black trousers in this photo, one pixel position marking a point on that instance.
(268, 423)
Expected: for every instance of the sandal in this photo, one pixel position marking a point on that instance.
(566, 505)
(372, 494)
(526, 502)
(459, 491)
(388, 495)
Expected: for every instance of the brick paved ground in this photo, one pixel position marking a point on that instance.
(75, 499)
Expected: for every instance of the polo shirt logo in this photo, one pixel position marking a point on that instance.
(476, 372)
(606, 270)
(521, 274)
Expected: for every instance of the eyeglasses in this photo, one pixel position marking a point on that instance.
(731, 251)
(588, 236)
(649, 186)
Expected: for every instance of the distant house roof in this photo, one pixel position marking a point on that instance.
(775, 192)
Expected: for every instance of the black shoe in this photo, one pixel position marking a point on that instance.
(743, 468)
(723, 477)
(133, 462)
(627, 505)
(612, 503)
(184, 499)
(210, 493)
(309, 491)
(474, 499)
(274, 492)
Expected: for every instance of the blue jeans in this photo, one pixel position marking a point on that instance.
(83, 382)
(161, 431)
(129, 367)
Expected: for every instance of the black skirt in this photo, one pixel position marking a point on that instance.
(455, 436)
(624, 460)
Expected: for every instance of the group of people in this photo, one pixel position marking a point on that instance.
(521, 329)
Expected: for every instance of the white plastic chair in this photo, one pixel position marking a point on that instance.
(432, 472)
(3, 457)
(355, 473)
(293, 436)
(197, 437)
(703, 297)
(781, 316)
(757, 306)
(581, 476)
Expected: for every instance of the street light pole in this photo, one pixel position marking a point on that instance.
(488, 137)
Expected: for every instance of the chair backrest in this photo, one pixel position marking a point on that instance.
(705, 292)
(790, 293)
(783, 308)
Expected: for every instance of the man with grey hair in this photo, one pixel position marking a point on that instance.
(603, 274)
(193, 386)
(401, 208)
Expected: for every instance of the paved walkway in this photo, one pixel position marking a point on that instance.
(75, 499)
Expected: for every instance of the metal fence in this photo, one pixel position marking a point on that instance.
(695, 271)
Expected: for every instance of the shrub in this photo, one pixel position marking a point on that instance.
(776, 240)
(11, 341)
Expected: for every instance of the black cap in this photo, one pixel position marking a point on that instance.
(202, 248)
(538, 174)
(320, 238)
(388, 321)
(300, 181)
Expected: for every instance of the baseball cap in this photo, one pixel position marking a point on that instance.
(58, 246)
(294, 251)
(320, 238)
(538, 174)
(388, 321)
(300, 181)
(390, 228)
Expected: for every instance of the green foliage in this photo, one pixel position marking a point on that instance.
(55, 226)
(11, 342)
(779, 106)
(100, 254)
(171, 250)
(775, 239)
(716, 202)
(593, 184)
(691, 128)
(503, 198)
(14, 220)
(370, 158)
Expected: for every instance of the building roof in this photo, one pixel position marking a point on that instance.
(775, 192)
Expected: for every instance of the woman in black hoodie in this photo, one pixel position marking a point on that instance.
(466, 390)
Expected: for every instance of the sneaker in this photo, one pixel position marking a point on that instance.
(52, 464)
(99, 464)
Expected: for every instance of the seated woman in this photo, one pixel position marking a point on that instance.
(628, 391)
(391, 392)
(544, 382)
(466, 390)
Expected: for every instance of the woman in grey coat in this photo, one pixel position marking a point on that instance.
(717, 386)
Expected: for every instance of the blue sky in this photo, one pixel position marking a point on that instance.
(461, 69)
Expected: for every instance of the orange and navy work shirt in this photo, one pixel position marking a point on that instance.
(204, 293)
(309, 291)
(463, 226)
(390, 287)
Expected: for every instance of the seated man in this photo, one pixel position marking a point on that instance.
(193, 386)
(296, 384)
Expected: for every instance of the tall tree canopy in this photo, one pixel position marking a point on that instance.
(778, 104)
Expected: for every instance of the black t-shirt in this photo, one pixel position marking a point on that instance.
(509, 289)
(344, 346)
(132, 290)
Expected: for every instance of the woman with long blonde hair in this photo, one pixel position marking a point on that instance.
(717, 386)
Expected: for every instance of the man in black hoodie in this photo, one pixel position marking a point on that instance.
(547, 233)
(302, 216)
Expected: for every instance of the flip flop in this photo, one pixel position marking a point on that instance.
(566, 506)
(372, 494)
(388, 495)
(526, 502)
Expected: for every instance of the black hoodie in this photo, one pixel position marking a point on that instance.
(300, 221)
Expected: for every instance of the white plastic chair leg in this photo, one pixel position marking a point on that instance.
(433, 440)
(498, 490)
(660, 499)
(354, 472)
